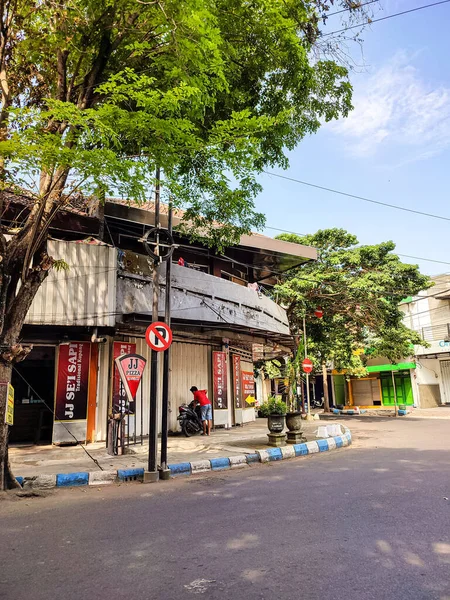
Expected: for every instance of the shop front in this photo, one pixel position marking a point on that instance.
(384, 385)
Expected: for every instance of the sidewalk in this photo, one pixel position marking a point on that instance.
(28, 461)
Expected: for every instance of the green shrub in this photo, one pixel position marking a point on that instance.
(272, 407)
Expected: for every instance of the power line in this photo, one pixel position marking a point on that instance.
(354, 9)
(441, 262)
(399, 14)
(333, 191)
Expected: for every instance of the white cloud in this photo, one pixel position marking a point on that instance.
(396, 107)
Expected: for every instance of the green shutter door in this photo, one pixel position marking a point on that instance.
(339, 389)
(403, 388)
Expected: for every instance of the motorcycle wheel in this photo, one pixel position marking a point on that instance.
(188, 429)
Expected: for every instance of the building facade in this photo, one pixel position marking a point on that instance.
(83, 317)
(429, 314)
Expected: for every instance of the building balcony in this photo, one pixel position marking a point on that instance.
(202, 299)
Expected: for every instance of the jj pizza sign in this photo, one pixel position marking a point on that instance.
(220, 380)
(119, 399)
(72, 381)
(131, 368)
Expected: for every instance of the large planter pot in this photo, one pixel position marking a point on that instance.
(294, 421)
(275, 423)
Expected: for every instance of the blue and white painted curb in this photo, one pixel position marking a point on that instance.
(188, 468)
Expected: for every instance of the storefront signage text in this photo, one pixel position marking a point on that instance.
(220, 380)
(248, 387)
(72, 381)
(237, 381)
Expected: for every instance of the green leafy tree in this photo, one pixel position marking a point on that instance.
(97, 94)
(359, 289)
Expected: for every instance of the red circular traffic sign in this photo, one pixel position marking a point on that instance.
(158, 336)
(318, 312)
(307, 365)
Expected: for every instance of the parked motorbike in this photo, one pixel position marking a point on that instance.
(190, 419)
(317, 403)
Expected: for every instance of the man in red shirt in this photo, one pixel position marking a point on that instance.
(201, 398)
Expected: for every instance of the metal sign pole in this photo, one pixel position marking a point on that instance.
(165, 472)
(308, 400)
(152, 474)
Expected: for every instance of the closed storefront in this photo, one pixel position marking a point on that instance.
(366, 391)
(445, 381)
(403, 388)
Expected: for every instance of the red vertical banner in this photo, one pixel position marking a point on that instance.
(72, 381)
(220, 380)
(119, 397)
(248, 388)
(237, 387)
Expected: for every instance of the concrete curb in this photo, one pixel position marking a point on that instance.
(189, 468)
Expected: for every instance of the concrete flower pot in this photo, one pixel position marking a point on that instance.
(275, 423)
(294, 421)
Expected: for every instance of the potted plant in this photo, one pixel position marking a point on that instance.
(276, 410)
(294, 421)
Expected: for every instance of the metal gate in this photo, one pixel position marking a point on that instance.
(445, 374)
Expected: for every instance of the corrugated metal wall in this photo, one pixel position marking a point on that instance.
(85, 294)
(190, 365)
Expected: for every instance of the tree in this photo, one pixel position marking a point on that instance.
(96, 94)
(359, 289)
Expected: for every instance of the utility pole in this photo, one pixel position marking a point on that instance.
(305, 343)
(152, 474)
(165, 472)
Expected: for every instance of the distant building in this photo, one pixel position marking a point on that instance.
(428, 313)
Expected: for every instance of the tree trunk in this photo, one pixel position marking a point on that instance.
(7, 479)
(326, 393)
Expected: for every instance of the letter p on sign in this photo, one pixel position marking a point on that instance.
(158, 336)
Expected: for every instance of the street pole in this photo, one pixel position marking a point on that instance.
(395, 393)
(165, 472)
(152, 474)
(308, 413)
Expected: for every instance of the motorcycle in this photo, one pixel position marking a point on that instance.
(316, 403)
(190, 419)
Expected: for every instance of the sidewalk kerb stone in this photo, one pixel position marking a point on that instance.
(263, 456)
(287, 452)
(219, 464)
(312, 447)
(200, 466)
(136, 474)
(42, 482)
(274, 454)
(180, 469)
(331, 443)
(252, 458)
(102, 477)
(238, 462)
(301, 449)
(323, 445)
(72, 479)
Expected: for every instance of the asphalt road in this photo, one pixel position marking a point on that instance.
(372, 521)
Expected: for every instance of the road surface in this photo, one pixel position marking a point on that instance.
(372, 521)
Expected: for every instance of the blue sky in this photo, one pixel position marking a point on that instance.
(395, 146)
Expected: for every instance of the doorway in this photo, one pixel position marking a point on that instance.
(33, 381)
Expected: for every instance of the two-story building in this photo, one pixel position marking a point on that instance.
(429, 314)
(84, 317)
